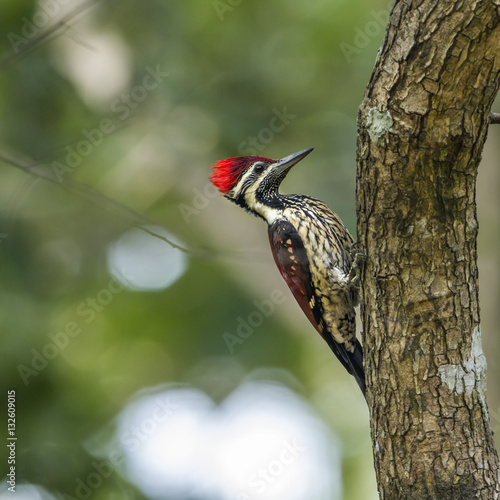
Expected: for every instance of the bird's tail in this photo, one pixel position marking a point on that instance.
(356, 364)
(352, 361)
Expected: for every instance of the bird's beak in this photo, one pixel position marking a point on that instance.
(288, 162)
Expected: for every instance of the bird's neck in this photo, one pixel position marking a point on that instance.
(268, 206)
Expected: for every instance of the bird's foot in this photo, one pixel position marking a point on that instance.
(357, 264)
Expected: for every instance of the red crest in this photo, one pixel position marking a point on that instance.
(226, 173)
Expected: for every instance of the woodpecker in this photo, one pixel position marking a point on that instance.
(310, 244)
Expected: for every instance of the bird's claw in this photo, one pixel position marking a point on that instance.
(357, 263)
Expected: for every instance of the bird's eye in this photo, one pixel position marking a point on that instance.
(259, 168)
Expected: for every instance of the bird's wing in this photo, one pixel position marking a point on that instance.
(291, 258)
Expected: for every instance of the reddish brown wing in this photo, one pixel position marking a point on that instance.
(291, 258)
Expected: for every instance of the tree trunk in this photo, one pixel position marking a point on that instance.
(422, 127)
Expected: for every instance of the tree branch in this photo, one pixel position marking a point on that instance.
(40, 171)
(49, 34)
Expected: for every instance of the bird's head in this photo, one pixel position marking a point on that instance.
(253, 181)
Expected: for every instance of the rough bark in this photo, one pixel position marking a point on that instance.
(422, 126)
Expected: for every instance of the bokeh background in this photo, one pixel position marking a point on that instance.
(141, 371)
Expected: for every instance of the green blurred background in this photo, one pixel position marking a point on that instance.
(137, 100)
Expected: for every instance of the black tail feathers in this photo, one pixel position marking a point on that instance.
(352, 361)
(356, 365)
